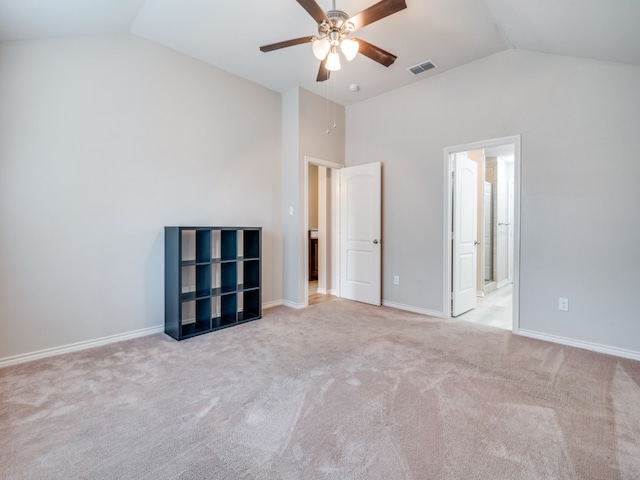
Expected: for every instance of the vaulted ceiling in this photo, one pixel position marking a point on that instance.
(450, 33)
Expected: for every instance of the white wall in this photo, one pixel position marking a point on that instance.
(304, 134)
(580, 215)
(104, 141)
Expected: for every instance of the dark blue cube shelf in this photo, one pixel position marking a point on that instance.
(212, 278)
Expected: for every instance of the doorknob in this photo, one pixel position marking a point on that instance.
(375, 241)
(476, 242)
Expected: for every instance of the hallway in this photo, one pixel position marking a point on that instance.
(495, 309)
(315, 297)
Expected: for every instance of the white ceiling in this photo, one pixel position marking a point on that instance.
(448, 32)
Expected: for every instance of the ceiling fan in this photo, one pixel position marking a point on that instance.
(334, 28)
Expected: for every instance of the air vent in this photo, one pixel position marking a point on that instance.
(422, 67)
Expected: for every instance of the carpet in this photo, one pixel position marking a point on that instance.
(339, 390)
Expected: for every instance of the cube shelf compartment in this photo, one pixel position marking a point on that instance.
(212, 278)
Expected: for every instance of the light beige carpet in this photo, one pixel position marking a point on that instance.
(337, 391)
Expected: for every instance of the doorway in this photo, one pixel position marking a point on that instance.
(349, 258)
(490, 266)
(321, 230)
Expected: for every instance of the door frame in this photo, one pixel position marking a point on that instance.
(335, 226)
(448, 224)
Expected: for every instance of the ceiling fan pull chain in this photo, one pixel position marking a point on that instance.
(334, 99)
(326, 112)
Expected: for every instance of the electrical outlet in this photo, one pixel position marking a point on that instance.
(563, 304)
(396, 279)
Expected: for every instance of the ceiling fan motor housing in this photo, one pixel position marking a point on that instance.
(339, 28)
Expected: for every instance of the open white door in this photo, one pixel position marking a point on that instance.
(360, 228)
(465, 219)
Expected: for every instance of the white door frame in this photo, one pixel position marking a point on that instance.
(335, 225)
(448, 205)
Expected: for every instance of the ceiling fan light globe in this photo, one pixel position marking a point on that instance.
(333, 62)
(320, 48)
(349, 49)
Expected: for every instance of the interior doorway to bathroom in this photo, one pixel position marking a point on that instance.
(483, 225)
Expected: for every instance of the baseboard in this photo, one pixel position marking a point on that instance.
(595, 347)
(325, 291)
(297, 306)
(275, 303)
(409, 308)
(75, 347)
(490, 287)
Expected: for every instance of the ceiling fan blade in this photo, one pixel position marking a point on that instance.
(286, 43)
(376, 12)
(314, 10)
(323, 73)
(375, 53)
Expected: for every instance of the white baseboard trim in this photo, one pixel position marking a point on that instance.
(334, 292)
(75, 347)
(409, 308)
(322, 291)
(275, 303)
(490, 287)
(297, 306)
(595, 347)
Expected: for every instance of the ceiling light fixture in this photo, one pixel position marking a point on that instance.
(333, 34)
(333, 60)
(349, 48)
